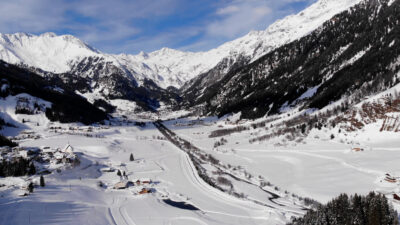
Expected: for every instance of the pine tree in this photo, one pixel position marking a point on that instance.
(30, 187)
(131, 158)
(32, 169)
(42, 184)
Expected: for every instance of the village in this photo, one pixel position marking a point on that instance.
(119, 178)
(45, 159)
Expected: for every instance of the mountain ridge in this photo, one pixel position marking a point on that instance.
(166, 67)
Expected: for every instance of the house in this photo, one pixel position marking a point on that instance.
(121, 185)
(390, 178)
(23, 153)
(58, 156)
(142, 181)
(137, 182)
(68, 149)
(145, 180)
(107, 170)
(145, 191)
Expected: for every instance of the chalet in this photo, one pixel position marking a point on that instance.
(389, 178)
(145, 180)
(145, 191)
(23, 153)
(58, 156)
(68, 149)
(121, 185)
(107, 170)
(358, 149)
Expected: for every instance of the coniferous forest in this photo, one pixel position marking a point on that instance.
(372, 209)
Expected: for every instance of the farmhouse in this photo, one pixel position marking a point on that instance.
(121, 185)
(143, 181)
(68, 149)
(107, 170)
(145, 191)
(358, 149)
(389, 178)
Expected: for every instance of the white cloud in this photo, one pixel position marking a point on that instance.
(111, 25)
(31, 16)
(239, 16)
(228, 10)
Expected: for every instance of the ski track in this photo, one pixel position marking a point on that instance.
(348, 165)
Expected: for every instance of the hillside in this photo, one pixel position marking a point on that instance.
(66, 106)
(353, 55)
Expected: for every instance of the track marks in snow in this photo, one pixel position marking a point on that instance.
(341, 161)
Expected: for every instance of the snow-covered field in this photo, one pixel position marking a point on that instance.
(316, 167)
(73, 196)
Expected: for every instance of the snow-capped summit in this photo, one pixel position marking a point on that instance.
(166, 67)
(48, 51)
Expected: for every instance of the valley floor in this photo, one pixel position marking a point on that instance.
(320, 169)
(73, 196)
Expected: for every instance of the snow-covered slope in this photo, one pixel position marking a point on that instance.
(166, 67)
(48, 51)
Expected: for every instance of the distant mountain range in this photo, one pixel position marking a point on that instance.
(330, 50)
(151, 78)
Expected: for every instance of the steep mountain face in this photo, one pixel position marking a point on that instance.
(146, 77)
(258, 43)
(355, 52)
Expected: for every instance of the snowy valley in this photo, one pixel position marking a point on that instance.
(261, 130)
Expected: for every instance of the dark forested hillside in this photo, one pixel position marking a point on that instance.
(357, 50)
(66, 105)
(114, 83)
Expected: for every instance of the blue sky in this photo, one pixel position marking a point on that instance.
(129, 26)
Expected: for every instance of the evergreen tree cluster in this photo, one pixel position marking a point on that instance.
(6, 142)
(66, 106)
(372, 209)
(17, 167)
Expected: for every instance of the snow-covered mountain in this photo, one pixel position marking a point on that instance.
(166, 67)
(352, 56)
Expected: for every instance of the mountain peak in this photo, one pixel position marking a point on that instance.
(46, 51)
(48, 34)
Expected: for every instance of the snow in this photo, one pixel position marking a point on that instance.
(166, 67)
(72, 197)
(317, 167)
(309, 93)
(355, 58)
